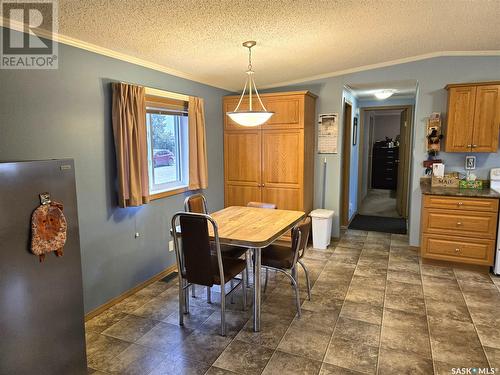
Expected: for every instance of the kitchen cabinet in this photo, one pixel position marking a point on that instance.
(274, 162)
(473, 118)
(459, 229)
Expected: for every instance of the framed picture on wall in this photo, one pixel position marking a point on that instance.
(354, 131)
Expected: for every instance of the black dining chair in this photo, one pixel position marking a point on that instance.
(284, 259)
(197, 264)
(197, 203)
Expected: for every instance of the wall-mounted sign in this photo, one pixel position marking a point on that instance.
(328, 133)
(470, 162)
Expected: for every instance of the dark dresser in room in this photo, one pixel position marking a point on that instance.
(384, 166)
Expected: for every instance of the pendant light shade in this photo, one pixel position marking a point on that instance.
(250, 117)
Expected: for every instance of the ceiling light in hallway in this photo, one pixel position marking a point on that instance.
(384, 94)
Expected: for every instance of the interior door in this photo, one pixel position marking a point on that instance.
(486, 119)
(282, 167)
(242, 165)
(460, 125)
(346, 162)
(403, 165)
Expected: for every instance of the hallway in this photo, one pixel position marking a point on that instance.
(379, 202)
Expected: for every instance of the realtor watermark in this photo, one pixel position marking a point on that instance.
(28, 34)
(474, 370)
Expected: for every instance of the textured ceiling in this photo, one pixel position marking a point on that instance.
(297, 39)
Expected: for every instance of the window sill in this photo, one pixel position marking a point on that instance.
(168, 193)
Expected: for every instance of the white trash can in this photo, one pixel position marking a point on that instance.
(322, 228)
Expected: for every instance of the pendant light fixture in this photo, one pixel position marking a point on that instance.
(250, 117)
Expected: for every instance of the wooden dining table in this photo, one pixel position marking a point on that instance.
(255, 229)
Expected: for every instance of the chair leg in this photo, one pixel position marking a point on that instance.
(247, 272)
(244, 282)
(297, 296)
(307, 279)
(209, 295)
(267, 277)
(231, 283)
(181, 302)
(295, 274)
(222, 310)
(186, 300)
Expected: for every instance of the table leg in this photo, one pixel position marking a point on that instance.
(256, 289)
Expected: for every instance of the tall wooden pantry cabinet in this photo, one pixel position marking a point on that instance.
(273, 162)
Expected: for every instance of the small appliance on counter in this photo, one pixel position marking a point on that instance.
(495, 185)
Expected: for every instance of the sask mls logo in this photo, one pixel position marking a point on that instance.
(27, 35)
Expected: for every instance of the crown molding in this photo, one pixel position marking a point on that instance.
(73, 42)
(70, 41)
(382, 65)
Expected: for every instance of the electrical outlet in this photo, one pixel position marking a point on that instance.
(137, 235)
(171, 245)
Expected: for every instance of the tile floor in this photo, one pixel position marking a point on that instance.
(375, 308)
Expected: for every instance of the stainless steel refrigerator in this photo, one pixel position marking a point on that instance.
(41, 303)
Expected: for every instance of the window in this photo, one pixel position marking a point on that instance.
(167, 127)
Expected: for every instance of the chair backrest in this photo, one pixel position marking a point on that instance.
(194, 259)
(196, 203)
(300, 237)
(261, 205)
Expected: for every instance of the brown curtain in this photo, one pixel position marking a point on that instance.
(198, 174)
(129, 129)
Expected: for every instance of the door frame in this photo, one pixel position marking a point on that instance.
(346, 162)
(405, 160)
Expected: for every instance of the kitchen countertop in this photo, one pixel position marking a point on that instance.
(426, 188)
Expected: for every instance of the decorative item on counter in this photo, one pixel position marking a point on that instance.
(468, 184)
(471, 182)
(48, 228)
(450, 180)
(438, 170)
(428, 165)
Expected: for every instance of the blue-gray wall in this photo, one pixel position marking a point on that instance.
(66, 114)
(432, 76)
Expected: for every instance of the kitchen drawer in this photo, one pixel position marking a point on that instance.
(458, 249)
(468, 224)
(461, 203)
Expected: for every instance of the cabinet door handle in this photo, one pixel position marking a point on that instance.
(474, 146)
(459, 223)
(460, 203)
(457, 250)
(469, 146)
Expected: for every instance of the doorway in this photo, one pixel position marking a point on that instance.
(383, 158)
(383, 170)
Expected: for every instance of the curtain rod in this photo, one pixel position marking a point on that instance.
(160, 92)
